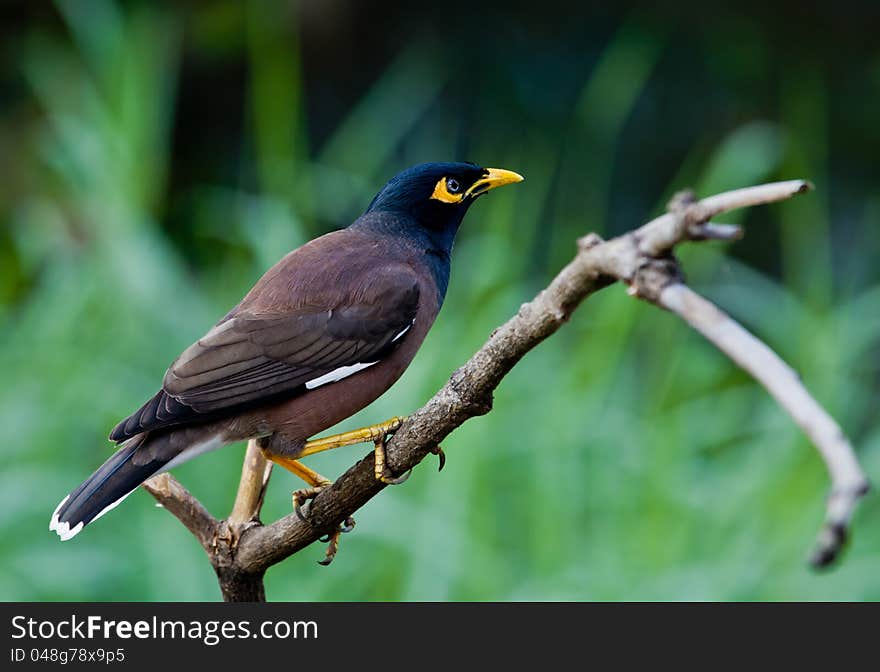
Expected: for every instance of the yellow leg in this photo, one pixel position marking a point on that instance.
(316, 484)
(375, 434)
(310, 476)
(369, 434)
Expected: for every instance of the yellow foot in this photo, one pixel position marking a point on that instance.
(317, 483)
(332, 540)
(369, 434)
(382, 472)
(376, 434)
(303, 495)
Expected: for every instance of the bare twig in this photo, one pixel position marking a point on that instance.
(187, 509)
(643, 260)
(848, 482)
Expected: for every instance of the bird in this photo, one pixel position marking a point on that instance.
(322, 334)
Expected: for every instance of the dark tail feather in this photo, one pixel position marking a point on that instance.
(108, 486)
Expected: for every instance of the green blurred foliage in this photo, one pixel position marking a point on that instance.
(155, 159)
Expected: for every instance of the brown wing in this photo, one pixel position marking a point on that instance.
(251, 358)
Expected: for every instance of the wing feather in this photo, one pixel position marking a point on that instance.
(254, 357)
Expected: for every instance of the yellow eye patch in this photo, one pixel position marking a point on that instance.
(442, 193)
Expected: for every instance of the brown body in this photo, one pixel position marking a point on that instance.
(323, 333)
(295, 420)
(301, 279)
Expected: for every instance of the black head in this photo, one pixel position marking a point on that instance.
(434, 197)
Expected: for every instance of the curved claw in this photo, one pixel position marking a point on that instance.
(396, 480)
(300, 497)
(441, 456)
(332, 540)
(382, 472)
(297, 509)
(332, 547)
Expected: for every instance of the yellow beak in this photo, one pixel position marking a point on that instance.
(497, 177)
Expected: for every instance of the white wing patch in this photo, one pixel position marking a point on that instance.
(346, 371)
(337, 374)
(403, 331)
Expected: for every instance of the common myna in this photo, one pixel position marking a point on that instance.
(323, 333)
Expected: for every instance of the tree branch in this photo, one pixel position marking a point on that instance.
(848, 483)
(171, 495)
(220, 538)
(640, 258)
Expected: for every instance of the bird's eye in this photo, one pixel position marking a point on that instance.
(453, 186)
